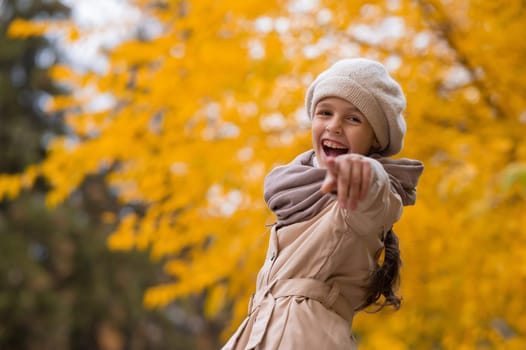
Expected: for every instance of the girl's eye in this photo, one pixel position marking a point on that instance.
(323, 113)
(354, 119)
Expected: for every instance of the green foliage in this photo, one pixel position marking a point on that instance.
(60, 287)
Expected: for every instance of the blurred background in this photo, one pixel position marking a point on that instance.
(135, 136)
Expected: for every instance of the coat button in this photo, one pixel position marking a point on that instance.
(273, 256)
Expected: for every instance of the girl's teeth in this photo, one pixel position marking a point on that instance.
(332, 145)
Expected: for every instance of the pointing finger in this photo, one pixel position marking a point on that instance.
(345, 168)
(356, 182)
(366, 179)
(332, 173)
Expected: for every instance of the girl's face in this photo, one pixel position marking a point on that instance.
(338, 127)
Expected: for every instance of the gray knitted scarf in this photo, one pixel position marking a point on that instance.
(293, 193)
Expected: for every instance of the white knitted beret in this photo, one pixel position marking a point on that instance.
(368, 86)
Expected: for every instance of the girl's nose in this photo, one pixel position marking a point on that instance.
(334, 126)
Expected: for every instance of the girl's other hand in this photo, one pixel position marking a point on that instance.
(350, 175)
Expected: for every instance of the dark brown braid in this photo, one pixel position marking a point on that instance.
(385, 278)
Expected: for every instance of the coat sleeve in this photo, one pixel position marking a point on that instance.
(380, 209)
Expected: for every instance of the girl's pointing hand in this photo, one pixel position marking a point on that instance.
(349, 175)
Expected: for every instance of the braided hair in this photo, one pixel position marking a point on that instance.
(385, 279)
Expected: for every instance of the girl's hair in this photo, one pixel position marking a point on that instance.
(385, 278)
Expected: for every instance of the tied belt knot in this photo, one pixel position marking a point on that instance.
(265, 299)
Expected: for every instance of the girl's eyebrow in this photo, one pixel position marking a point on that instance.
(353, 109)
(348, 109)
(324, 105)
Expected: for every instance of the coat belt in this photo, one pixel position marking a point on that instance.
(264, 300)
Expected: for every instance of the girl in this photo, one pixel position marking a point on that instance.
(335, 207)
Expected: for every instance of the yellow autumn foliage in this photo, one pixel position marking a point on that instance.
(206, 108)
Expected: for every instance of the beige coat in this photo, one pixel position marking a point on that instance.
(313, 277)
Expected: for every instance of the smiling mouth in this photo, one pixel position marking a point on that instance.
(333, 149)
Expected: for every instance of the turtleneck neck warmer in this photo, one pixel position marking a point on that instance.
(293, 193)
